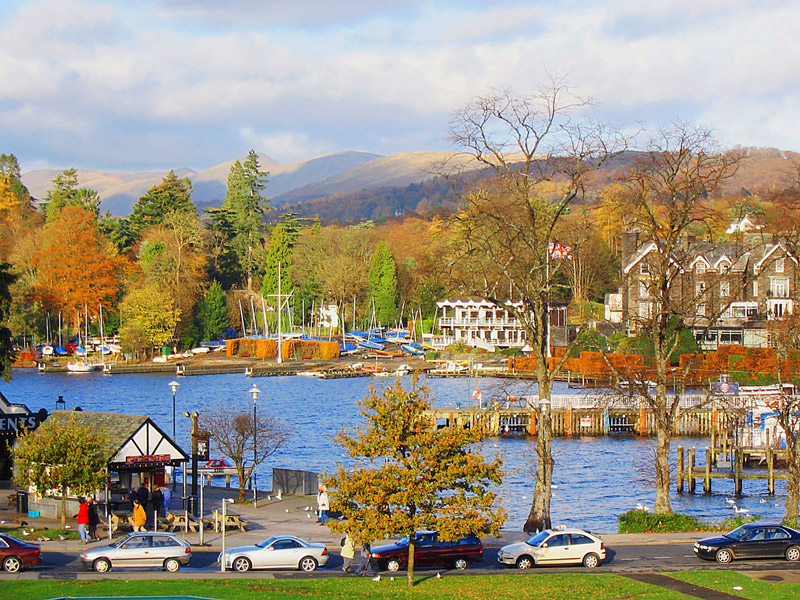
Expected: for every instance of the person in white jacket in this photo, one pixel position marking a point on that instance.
(323, 504)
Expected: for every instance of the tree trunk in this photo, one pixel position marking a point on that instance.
(411, 546)
(242, 481)
(664, 439)
(793, 483)
(64, 507)
(539, 516)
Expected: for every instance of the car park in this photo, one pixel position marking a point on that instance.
(276, 552)
(16, 555)
(140, 550)
(555, 547)
(429, 551)
(753, 540)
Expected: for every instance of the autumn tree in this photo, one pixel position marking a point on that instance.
(383, 284)
(667, 189)
(65, 192)
(7, 352)
(148, 319)
(236, 433)
(172, 195)
(406, 476)
(74, 264)
(247, 205)
(61, 455)
(10, 171)
(540, 153)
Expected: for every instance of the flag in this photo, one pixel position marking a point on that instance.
(559, 251)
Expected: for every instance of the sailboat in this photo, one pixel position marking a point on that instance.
(82, 365)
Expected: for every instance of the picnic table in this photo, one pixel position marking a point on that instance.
(182, 522)
(119, 519)
(231, 520)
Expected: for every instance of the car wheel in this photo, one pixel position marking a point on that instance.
(241, 564)
(460, 564)
(793, 553)
(723, 556)
(591, 560)
(12, 564)
(101, 565)
(393, 565)
(173, 565)
(308, 564)
(525, 562)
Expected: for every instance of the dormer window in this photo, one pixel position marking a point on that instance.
(700, 267)
(780, 265)
(644, 268)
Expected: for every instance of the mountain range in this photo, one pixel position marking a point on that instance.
(289, 184)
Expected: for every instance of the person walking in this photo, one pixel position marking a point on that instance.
(83, 520)
(143, 495)
(166, 500)
(323, 504)
(348, 553)
(133, 497)
(139, 517)
(156, 499)
(365, 568)
(94, 518)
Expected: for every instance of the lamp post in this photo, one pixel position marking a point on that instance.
(254, 392)
(193, 416)
(222, 558)
(173, 385)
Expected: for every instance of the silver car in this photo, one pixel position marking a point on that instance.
(279, 551)
(555, 547)
(141, 550)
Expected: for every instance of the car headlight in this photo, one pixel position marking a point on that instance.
(84, 556)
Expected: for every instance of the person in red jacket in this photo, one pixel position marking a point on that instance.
(83, 520)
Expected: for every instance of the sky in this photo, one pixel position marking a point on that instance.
(133, 85)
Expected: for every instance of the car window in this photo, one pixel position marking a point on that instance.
(137, 542)
(285, 544)
(538, 539)
(775, 533)
(468, 541)
(3, 543)
(424, 541)
(758, 534)
(164, 541)
(739, 533)
(581, 539)
(558, 540)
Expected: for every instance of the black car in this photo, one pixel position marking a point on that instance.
(429, 551)
(753, 540)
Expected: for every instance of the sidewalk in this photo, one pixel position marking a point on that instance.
(295, 515)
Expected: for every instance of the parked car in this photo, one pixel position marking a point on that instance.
(279, 551)
(17, 555)
(754, 540)
(429, 551)
(140, 550)
(555, 547)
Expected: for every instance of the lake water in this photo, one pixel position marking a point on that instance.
(596, 478)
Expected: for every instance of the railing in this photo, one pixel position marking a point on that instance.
(611, 400)
(457, 322)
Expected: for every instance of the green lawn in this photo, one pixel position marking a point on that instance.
(554, 586)
(725, 581)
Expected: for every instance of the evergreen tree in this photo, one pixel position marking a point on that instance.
(7, 352)
(9, 166)
(406, 476)
(212, 312)
(247, 204)
(383, 284)
(65, 192)
(172, 194)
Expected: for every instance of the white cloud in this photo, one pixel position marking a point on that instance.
(285, 146)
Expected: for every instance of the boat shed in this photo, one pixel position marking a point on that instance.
(138, 450)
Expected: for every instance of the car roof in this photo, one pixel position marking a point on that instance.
(569, 530)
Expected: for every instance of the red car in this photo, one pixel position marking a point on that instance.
(429, 551)
(17, 555)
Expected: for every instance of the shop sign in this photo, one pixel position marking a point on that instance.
(148, 459)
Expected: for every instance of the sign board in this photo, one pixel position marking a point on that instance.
(202, 448)
(726, 387)
(586, 421)
(148, 459)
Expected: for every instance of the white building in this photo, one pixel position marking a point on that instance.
(480, 323)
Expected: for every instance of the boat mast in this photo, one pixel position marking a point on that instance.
(102, 338)
(280, 308)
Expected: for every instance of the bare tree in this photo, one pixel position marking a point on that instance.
(236, 433)
(539, 154)
(668, 188)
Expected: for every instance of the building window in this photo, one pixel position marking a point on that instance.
(644, 268)
(755, 289)
(644, 292)
(700, 267)
(780, 264)
(779, 287)
(724, 289)
(701, 310)
(699, 288)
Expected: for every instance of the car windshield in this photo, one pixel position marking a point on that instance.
(267, 542)
(538, 538)
(738, 534)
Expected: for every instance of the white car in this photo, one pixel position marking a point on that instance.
(555, 547)
(140, 550)
(277, 552)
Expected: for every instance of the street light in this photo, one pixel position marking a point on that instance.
(193, 416)
(173, 385)
(222, 558)
(254, 392)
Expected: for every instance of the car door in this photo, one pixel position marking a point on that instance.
(164, 547)
(284, 553)
(425, 550)
(778, 539)
(133, 552)
(754, 544)
(556, 551)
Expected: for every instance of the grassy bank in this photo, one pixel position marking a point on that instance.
(639, 521)
(553, 586)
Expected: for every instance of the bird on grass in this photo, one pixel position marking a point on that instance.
(438, 576)
(376, 578)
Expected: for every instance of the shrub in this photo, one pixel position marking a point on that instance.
(639, 521)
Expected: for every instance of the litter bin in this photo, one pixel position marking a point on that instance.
(22, 502)
(190, 504)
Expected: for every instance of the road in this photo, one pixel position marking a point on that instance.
(621, 559)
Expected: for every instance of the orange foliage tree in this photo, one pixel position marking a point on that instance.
(75, 264)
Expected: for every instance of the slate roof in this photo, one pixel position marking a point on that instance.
(117, 428)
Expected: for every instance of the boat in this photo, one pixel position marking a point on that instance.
(201, 350)
(216, 467)
(370, 345)
(413, 348)
(81, 367)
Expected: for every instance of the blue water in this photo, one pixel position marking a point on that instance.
(596, 478)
